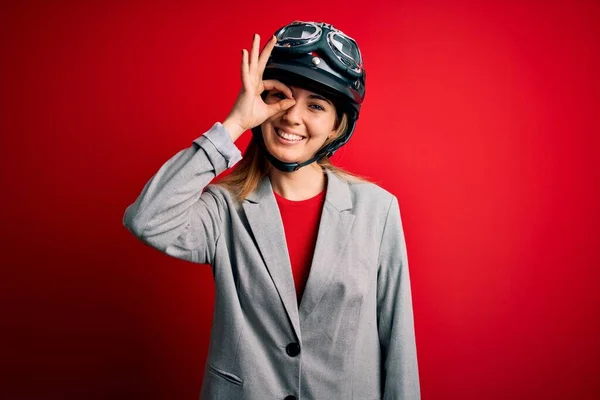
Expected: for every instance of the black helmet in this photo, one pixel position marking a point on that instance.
(318, 57)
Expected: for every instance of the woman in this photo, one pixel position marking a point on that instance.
(313, 295)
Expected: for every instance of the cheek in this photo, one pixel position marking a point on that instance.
(323, 128)
(330, 122)
(267, 127)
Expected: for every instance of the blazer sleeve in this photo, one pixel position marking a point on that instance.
(174, 213)
(395, 314)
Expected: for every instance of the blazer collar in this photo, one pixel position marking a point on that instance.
(337, 194)
(335, 228)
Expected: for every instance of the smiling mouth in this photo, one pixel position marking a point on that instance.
(288, 136)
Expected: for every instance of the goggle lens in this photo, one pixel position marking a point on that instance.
(347, 47)
(297, 32)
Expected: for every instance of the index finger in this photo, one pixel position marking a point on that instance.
(271, 84)
(265, 54)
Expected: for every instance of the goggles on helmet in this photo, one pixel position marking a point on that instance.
(306, 37)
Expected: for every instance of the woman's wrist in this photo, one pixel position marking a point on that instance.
(233, 128)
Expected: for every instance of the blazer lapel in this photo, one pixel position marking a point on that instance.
(334, 231)
(265, 221)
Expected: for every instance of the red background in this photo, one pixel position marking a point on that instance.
(482, 119)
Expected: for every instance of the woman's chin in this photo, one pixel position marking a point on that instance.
(286, 156)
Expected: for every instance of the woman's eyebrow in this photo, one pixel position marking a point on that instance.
(317, 97)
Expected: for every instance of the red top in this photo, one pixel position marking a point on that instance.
(301, 225)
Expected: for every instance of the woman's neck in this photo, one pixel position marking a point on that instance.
(299, 185)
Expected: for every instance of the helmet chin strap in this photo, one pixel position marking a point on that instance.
(285, 166)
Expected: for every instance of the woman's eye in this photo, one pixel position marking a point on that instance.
(318, 107)
(279, 95)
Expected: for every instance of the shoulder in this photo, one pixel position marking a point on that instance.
(222, 194)
(370, 191)
(218, 190)
(367, 192)
(367, 201)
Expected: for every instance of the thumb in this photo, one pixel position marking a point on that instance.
(280, 106)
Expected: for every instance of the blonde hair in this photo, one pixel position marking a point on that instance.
(254, 166)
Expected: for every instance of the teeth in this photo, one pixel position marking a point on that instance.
(289, 136)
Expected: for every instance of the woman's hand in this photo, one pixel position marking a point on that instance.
(249, 109)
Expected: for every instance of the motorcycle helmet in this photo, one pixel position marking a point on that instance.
(320, 58)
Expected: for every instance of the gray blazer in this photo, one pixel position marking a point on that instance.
(351, 336)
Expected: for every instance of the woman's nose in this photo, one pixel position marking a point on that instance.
(293, 115)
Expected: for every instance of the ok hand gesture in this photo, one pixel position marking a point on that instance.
(249, 109)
